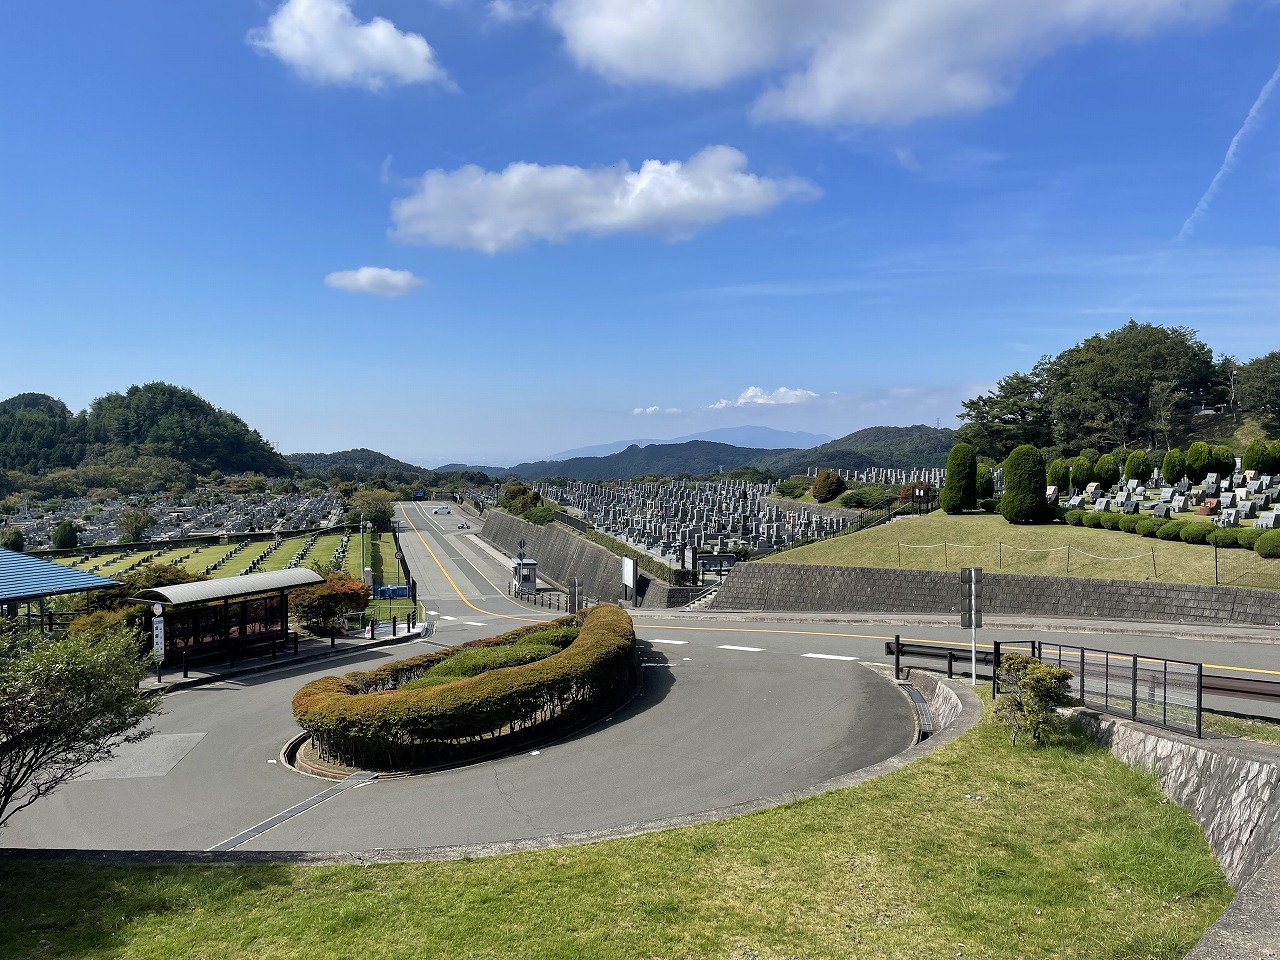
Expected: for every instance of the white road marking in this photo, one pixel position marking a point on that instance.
(729, 646)
(827, 656)
(675, 642)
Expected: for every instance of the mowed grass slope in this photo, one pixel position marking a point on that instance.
(978, 850)
(989, 541)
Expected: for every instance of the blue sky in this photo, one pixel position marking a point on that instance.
(488, 231)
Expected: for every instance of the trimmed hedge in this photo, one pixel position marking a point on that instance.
(1197, 531)
(369, 720)
(1268, 545)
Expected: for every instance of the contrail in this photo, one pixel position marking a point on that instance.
(1229, 161)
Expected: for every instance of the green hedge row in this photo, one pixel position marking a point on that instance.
(368, 720)
(1265, 543)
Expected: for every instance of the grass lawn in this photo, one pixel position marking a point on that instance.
(974, 540)
(978, 850)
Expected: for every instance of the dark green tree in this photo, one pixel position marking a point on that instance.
(1024, 487)
(1138, 467)
(1081, 472)
(1107, 471)
(960, 490)
(1059, 474)
(1199, 461)
(66, 535)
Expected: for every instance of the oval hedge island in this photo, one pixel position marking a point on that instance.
(475, 700)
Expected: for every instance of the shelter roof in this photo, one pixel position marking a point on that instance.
(231, 588)
(27, 578)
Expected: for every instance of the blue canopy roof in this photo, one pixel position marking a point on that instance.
(27, 578)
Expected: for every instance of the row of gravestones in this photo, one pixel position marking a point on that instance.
(1225, 501)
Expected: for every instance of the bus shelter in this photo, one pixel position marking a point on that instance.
(230, 617)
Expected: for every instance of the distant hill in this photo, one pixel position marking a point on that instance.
(660, 459)
(765, 438)
(904, 447)
(156, 421)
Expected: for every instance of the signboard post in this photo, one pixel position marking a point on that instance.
(971, 612)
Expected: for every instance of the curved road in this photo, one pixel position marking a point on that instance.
(734, 708)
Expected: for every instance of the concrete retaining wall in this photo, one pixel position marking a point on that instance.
(797, 587)
(562, 556)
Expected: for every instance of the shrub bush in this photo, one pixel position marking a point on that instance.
(827, 485)
(1129, 522)
(1148, 526)
(1081, 472)
(1059, 475)
(1247, 537)
(1226, 537)
(1172, 530)
(1199, 461)
(1111, 521)
(1075, 518)
(1197, 531)
(1138, 467)
(1107, 471)
(1024, 486)
(1268, 545)
(1092, 519)
(398, 728)
(989, 505)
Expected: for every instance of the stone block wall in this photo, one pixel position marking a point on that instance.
(810, 587)
(562, 556)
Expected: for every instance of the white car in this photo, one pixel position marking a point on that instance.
(441, 510)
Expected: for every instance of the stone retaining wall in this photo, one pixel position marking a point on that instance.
(562, 556)
(811, 587)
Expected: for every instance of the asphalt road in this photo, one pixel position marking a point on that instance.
(734, 708)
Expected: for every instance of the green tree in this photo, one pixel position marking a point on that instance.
(1030, 694)
(11, 538)
(1224, 460)
(133, 524)
(1174, 467)
(1256, 456)
(1081, 472)
(1012, 414)
(1107, 471)
(1138, 467)
(65, 702)
(66, 535)
(1199, 461)
(1259, 382)
(960, 489)
(1059, 474)
(986, 482)
(1024, 486)
(827, 485)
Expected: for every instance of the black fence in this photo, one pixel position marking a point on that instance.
(1165, 693)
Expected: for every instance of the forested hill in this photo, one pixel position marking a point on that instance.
(900, 447)
(40, 434)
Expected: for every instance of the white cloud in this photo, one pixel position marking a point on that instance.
(324, 42)
(379, 280)
(502, 210)
(860, 61)
(650, 411)
(754, 395)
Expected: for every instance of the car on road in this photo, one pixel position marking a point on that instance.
(441, 510)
